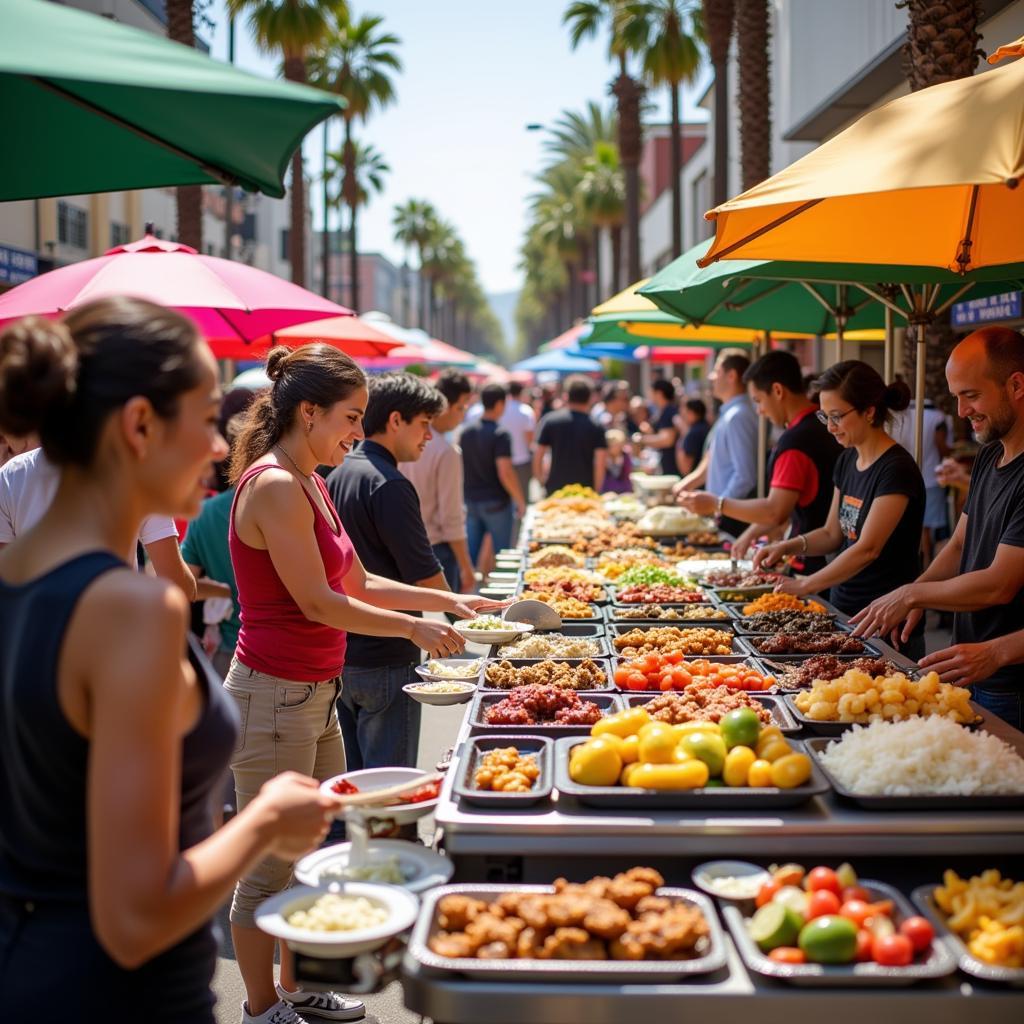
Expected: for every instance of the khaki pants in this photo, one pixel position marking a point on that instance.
(285, 726)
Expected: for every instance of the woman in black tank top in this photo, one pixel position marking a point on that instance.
(113, 733)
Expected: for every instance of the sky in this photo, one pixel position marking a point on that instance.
(476, 72)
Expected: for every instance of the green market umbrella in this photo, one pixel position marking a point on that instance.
(94, 106)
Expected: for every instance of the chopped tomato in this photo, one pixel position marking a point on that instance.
(823, 878)
(919, 931)
(787, 955)
(767, 892)
(856, 911)
(822, 903)
(344, 787)
(865, 940)
(855, 892)
(892, 950)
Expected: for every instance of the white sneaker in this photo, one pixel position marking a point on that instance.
(280, 1013)
(329, 1005)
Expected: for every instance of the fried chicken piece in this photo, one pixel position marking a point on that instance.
(455, 912)
(530, 944)
(494, 951)
(456, 945)
(507, 903)
(567, 910)
(487, 927)
(630, 887)
(573, 944)
(533, 910)
(606, 920)
(652, 905)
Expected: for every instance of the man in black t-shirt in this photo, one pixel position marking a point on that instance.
(575, 442)
(664, 432)
(492, 488)
(980, 573)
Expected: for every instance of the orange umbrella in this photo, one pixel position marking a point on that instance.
(352, 335)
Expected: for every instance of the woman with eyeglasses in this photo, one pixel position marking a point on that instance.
(877, 504)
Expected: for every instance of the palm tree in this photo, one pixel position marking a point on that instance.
(942, 45)
(603, 190)
(415, 224)
(670, 36)
(294, 29)
(718, 17)
(189, 198)
(585, 19)
(754, 33)
(443, 247)
(356, 63)
(362, 171)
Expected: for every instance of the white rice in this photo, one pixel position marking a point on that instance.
(923, 756)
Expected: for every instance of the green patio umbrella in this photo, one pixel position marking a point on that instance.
(93, 106)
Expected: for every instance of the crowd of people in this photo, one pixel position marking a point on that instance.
(325, 515)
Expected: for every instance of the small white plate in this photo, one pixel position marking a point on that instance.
(440, 700)
(750, 874)
(423, 671)
(423, 868)
(370, 779)
(272, 918)
(488, 637)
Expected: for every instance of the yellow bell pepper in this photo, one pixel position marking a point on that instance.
(625, 723)
(691, 774)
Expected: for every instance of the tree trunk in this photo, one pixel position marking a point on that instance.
(718, 17)
(406, 292)
(351, 192)
(616, 259)
(354, 291)
(295, 71)
(325, 243)
(584, 289)
(628, 94)
(188, 198)
(597, 266)
(754, 33)
(421, 287)
(676, 146)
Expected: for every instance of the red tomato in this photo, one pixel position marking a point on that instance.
(665, 682)
(649, 663)
(892, 950)
(920, 933)
(767, 892)
(636, 681)
(787, 955)
(681, 678)
(621, 675)
(855, 892)
(823, 878)
(857, 911)
(673, 657)
(822, 902)
(865, 940)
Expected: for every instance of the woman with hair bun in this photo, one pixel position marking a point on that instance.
(877, 505)
(113, 739)
(301, 589)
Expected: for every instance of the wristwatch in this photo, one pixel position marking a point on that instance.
(718, 507)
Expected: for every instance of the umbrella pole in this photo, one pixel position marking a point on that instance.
(763, 346)
(919, 392)
(887, 351)
(840, 321)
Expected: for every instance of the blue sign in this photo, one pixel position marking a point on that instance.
(1006, 306)
(16, 265)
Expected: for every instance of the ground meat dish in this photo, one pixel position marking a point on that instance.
(727, 578)
(808, 643)
(828, 667)
(703, 702)
(542, 705)
(789, 622)
(567, 588)
(586, 676)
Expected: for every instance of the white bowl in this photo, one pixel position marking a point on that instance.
(423, 671)
(488, 637)
(272, 918)
(750, 875)
(441, 700)
(423, 868)
(369, 779)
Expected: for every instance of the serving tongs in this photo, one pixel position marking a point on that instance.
(386, 796)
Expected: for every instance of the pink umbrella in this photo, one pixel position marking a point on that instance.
(486, 370)
(231, 303)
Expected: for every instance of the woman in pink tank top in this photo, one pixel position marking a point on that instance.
(301, 587)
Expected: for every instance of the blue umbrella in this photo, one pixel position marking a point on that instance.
(559, 361)
(612, 350)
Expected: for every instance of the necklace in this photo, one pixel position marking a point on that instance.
(280, 448)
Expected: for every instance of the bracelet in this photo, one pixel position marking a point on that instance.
(803, 539)
(719, 506)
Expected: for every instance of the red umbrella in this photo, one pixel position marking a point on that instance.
(349, 333)
(233, 304)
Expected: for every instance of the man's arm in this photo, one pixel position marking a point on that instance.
(600, 467)
(664, 438)
(509, 480)
(539, 471)
(697, 478)
(165, 557)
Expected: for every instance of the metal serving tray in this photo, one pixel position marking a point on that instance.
(615, 615)
(752, 641)
(727, 595)
(924, 897)
(617, 605)
(476, 746)
(780, 715)
(598, 972)
(833, 729)
(863, 975)
(603, 663)
(609, 703)
(617, 629)
(597, 618)
(775, 665)
(719, 798)
(937, 802)
(590, 631)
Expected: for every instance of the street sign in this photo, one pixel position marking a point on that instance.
(993, 308)
(16, 265)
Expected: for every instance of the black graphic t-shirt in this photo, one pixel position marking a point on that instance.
(893, 472)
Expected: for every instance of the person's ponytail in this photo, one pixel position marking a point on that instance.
(897, 396)
(258, 433)
(38, 364)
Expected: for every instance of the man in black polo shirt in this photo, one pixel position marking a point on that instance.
(800, 470)
(578, 449)
(380, 511)
(979, 575)
(493, 492)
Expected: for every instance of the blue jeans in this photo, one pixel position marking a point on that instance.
(1005, 704)
(494, 517)
(449, 566)
(379, 723)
